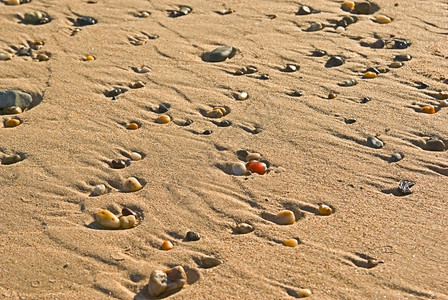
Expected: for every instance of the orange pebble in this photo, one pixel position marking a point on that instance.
(370, 75)
(90, 57)
(132, 126)
(331, 96)
(163, 119)
(428, 109)
(167, 245)
(12, 123)
(348, 5)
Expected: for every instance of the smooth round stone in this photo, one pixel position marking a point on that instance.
(144, 70)
(5, 56)
(442, 95)
(291, 68)
(396, 64)
(382, 19)
(242, 96)
(99, 190)
(325, 210)
(315, 27)
(339, 29)
(250, 70)
(319, 53)
(215, 113)
(224, 123)
(107, 219)
(291, 242)
(348, 83)
(24, 51)
(428, 109)
(144, 14)
(221, 54)
(370, 75)
(132, 185)
(33, 17)
(304, 10)
(239, 169)
(184, 10)
(421, 85)
(137, 85)
(132, 126)
(42, 57)
(210, 262)
(244, 228)
(15, 99)
(334, 61)
(242, 153)
(89, 58)
(192, 236)
(264, 76)
(135, 156)
(167, 280)
(435, 144)
(403, 57)
(253, 156)
(396, 157)
(362, 8)
(443, 103)
(285, 217)
(163, 119)
(11, 159)
(167, 245)
(332, 96)
(207, 132)
(374, 142)
(239, 72)
(256, 167)
(128, 212)
(85, 21)
(12, 123)
(303, 293)
(12, 2)
(348, 5)
(162, 109)
(127, 222)
(118, 164)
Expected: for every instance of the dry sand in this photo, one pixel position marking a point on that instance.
(50, 245)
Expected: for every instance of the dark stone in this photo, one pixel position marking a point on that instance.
(224, 123)
(403, 57)
(264, 76)
(374, 142)
(296, 94)
(207, 132)
(250, 70)
(12, 159)
(304, 10)
(379, 44)
(396, 157)
(363, 8)
(421, 85)
(334, 61)
(115, 92)
(404, 187)
(291, 68)
(118, 164)
(401, 44)
(434, 144)
(23, 51)
(85, 21)
(319, 53)
(192, 236)
(221, 54)
(350, 120)
(15, 98)
(162, 109)
(365, 100)
(127, 212)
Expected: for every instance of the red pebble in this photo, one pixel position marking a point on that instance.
(256, 167)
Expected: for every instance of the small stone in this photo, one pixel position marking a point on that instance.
(25, 51)
(132, 126)
(157, 283)
(215, 113)
(396, 64)
(442, 95)
(145, 14)
(15, 99)
(401, 44)
(371, 263)
(428, 109)
(435, 144)
(12, 123)
(404, 187)
(373, 70)
(183, 10)
(285, 217)
(244, 228)
(118, 164)
(339, 29)
(224, 123)
(210, 262)
(99, 190)
(291, 243)
(403, 57)
(162, 109)
(12, 2)
(350, 120)
(291, 68)
(11, 159)
(135, 156)
(167, 245)
(85, 21)
(264, 76)
(132, 185)
(303, 293)
(378, 44)
(325, 210)
(383, 19)
(42, 57)
(362, 8)
(319, 53)
(296, 94)
(137, 85)
(242, 96)
(257, 167)
(128, 212)
(332, 95)
(250, 70)
(115, 92)
(374, 142)
(253, 157)
(176, 278)
(143, 70)
(315, 27)
(239, 169)
(33, 17)
(192, 236)
(370, 75)
(365, 100)
(443, 103)
(12, 110)
(107, 219)
(348, 5)
(207, 132)
(239, 72)
(5, 56)
(348, 83)
(242, 154)
(227, 11)
(421, 85)
(304, 10)
(396, 157)
(163, 119)
(127, 222)
(221, 54)
(89, 58)
(334, 61)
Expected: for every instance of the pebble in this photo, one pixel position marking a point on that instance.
(401, 44)
(24, 51)
(85, 21)
(362, 8)
(192, 236)
(421, 85)
(12, 123)
(253, 156)
(428, 109)
(239, 169)
(144, 70)
(350, 120)
(135, 156)
(442, 95)
(347, 20)
(144, 14)
(33, 17)
(182, 11)
(396, 157)
(89, 58)
(256, 167)
(383, 19)
(378, 44)
(99, 190)
(348, 5)
(221, 54)
(404, 187)
(264, 76)
(15, 99)
(315, 27)
(127, 212)
(319, 53)
(340, 29)
(137, 85)
(373, 70)
(107, 219)
(443, 103)
(291, 68)
(285, 217)
(165, 281)
(167, 245)
(296, 93)
(42, 57)
(334, 61)
(303, 293)
(374, 142)
(115, 92)
(227, 11)
(370, 75)
(347, 83)
(371, 263)
(163, 108)
(403, 57)
(131, 185)
(210, 262)
(163, 119)
(207, 132)
(12, 2)
(291, 242)
(242, 96)
(365, 100)
(244, 228)
(12, 110)
(225, 123)
(11, 159)
(332, 95)
(435, 144)
(304, 10)
(132, 126)
(216, 112)
(5, 56)
(127, 222)
(325, 210)
(118, 164)
(396, 64)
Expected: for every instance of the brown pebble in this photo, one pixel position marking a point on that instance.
(118, 164)
(132, 126)
(285, 217)
(12, 123)
(331, 96)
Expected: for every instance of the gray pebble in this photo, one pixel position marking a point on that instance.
(221, 54)
(347, 83)
(396, 157)
(15, 98)
(210, 262)
(315, 27)
(11, 159)
(319, 53)
(435, 144)
(350, 120)
(374, 142)
(403, 57)
(334, 61)
(192, 236)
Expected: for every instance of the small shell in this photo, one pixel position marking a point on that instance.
(132, 126)
(12, 123)
(99, 190)
(163, 119)
(370, 75)
(167, 245)
(253, 156)
(131, 185)
(303, 293)
(428, 109)
(107, 219)
(325, 210)
(127, 222)
(285, 217)
(89, 58)
(290, 242)
(383, 19)
(5, 56)
(135, 156)
(242, 96)
(239, 169)
(244, 228)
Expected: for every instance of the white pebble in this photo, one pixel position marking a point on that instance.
(131, 185)
(5, 56)
(100, 189)
(242, 96)
(239, 169)
(136, 156)
(340, 29)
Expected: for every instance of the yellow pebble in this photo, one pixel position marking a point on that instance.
(132, 126)
(303, 293)
(13, 2)
(163, 119)
(428, 109)
(107, 219)
(331, 96)
(348, 5)
(383, 19)
(290, 242)
(285, 217)
(90, 57)
(12, 123)
(132, 185)
(167, 245)
(325, 210)
(370, 75)
(127, 222)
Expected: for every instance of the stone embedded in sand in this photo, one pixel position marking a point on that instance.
(443, 103)
(257, 167)
(217, 112)
(325, 210)
(242, 96)
(36, 18)
(107, 219)
(11, 159)
(221, 54)
(332, 95)
(291, 68)
(243, 228)
(315, 27)
(374, 142)
(12, 123)
(167, 245)
(239, 169)
(115, 92)
(99, 190)
(348, 83)
(5, 56)
(127, 222)
(42, 57)
(285, 217)
(401, 44)
(396, 64)
(370, 75)
(163, 119)
(165, 281)
(137, 85)
(428, 109)
(182, 11)
(210, 262)
(339, 29)
(362, 8)
(348, 5)
(319, 53)
(435, 144)
(14, 99)
(132, 185)
(85, 21)
(192, 236)
(12, 2)
(127, 212)
(383, 19)
(253, 156)
(304, 10)
(291, 242)
(334, 61)
(144, 14)
(442, 95)
(403, 57)
(132, 126)
(303, 293)
(135, 156)
(118, 164)
(89, 58)
(144, 70)
(404, 187)
(350, 120)
(396, 157)
(12, 110)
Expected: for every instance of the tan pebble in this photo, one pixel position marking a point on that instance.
(339, 29)
(325, 210)
(132, 126)
(107, 219)
(5, 56)
(290, 242)
(132, 184)
(99, 190)
(273, 16)
(244, 228)
(163, 119)
(12, 110)
(383, 19)
(176, 278)
(42, 57)
(216, 113)
(157, 283)
(145, 14)
(443, 103)
(242, 96)
(144, 70)
(303, 293)
(136, 156)
(127, 222)
(348, 5)
(137, 85)
(253, 156)
(285, 217)
(13, 2)
(210, 262)
(226, 11)
(239, 169)
(442, 95)
(396, 64)
(12, 123)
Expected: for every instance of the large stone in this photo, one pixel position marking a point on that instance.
(15, 98)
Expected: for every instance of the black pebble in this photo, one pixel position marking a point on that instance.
(421, 85)
(403, 57)
(115, 92)
(401, 44)
(162, 109)
(118, 164)
(334, 61)
(25, 51)
(127, 212)
(319, 53)
(224, 123)
(192, 236)
(404, 187)
(207, 132)
(264, 77)
(85, 21)
(365, 100)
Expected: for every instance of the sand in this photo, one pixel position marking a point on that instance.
(50, 244)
